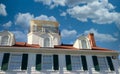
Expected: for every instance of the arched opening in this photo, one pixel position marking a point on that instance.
(35, 28)
(4, 40)
(84, 44)
(46, 42)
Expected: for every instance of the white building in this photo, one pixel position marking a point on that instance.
(44, 53)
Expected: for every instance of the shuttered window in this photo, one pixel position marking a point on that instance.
(56, 62)
(84, 62)
(38, 62)
(24, 62)
(68, 62)
(5, 61)
(102, 63)
(47, 62)
(95, 62)
(76, 63)
(15, 61)
(109, 60)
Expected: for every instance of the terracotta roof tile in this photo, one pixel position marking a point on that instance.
(24, 44)
(102, 49)
(64, 46)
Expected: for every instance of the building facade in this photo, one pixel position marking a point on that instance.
(45, 54)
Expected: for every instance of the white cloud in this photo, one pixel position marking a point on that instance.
(63, 14)
(23, 19)
(100, 36)
(20, 36)
(52, 3)
(68, 33)
(7, 25)
(100, 12)
(46, 2)
(45, 17)
(72, 3)
(3, 10)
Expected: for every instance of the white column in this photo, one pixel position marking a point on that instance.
(1, 59)
(90, 64)
(31, 62)
(62, 64)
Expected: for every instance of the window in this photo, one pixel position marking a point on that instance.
(102, 63)
(76, 62)
(15, 61)
(34, 28)
(46, 42)
(84, 44)
(47, 61)
(4, 40)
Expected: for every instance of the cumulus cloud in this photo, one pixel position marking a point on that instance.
(63, 14)
(20, 36)
(3, 10)
(100, 12)
(100, 36)
(45, 17)
(7, 25)
(52, 3)
(68, 33)
(23, 19)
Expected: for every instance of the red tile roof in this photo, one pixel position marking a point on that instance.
(102, 49)
(62, 46)
(24, 44)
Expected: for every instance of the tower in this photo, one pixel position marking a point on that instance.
(44, 33)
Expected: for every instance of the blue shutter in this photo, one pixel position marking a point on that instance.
(56, 62)
(95, 62)
(109, 60)
(68, 62)
(24, 61)
(5, 61)
(84, 62)
(38, 62)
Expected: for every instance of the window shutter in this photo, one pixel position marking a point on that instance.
(68, 62)
(84, 62)
(95, 62)
(5, 61)
(38, 62)
(56, 62)
(109, 60)
(24, 62)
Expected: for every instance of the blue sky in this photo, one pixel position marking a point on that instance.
(76, 17)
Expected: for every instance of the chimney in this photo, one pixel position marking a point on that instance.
(92, 40)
